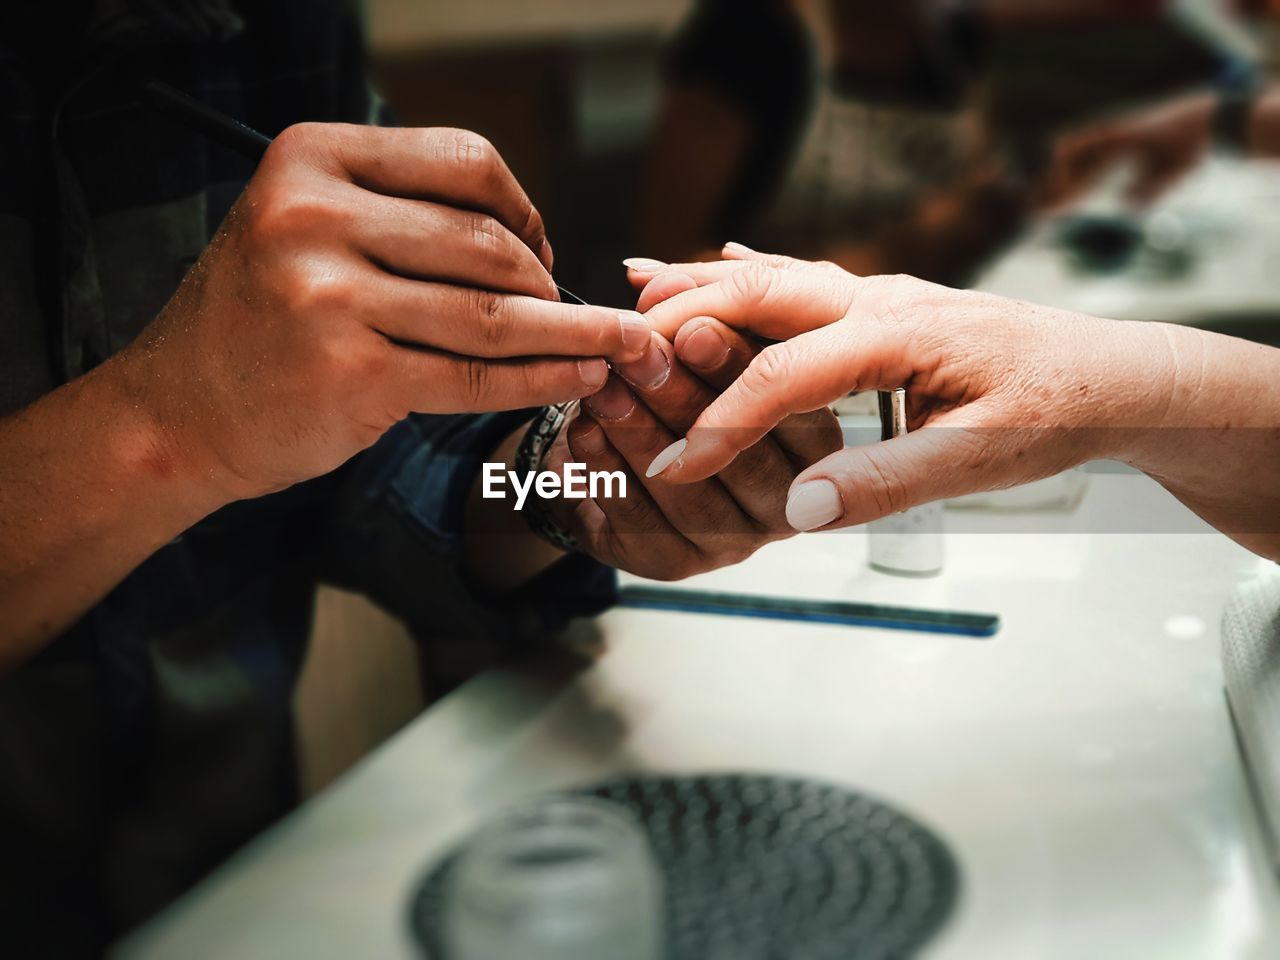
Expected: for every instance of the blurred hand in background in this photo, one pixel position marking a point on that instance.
(1162, 145)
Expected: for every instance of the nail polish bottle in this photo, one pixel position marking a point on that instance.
(907, 544)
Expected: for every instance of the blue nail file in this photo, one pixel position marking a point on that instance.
(796, 609)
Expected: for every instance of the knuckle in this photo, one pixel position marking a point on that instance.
(883, 486)
(293, 139)
(897, 301)
(365, 365)
(311, 289)
(494, 321)
(535, 382)
(476, 378)
(751, 284)
(894, 311)
(340, 360)
(681, 565)
(284, 210)
(769, 369)
(533, 228)
(474, 152)
(492, 239)
(741, 546)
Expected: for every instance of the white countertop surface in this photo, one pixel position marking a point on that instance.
(1081, 763)
(1228, 209)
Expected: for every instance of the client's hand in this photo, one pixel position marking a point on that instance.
(974, 366)
(669, 532)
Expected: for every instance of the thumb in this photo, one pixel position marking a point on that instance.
(868, 482)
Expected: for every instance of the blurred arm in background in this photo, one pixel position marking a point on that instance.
(1163, 144)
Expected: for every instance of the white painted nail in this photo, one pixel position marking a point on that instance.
(644, 264)
(734, 247)
(666, 458)
(814, 504)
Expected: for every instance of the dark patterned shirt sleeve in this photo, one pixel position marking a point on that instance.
(395, 534)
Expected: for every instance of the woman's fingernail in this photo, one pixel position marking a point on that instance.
(612, 403)
(651, 370)
(814, 504)
(593, 372)
(704, 348)
(644, 264)
(666, 458)
(635, 331)
(734, 247)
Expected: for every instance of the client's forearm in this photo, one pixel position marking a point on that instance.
(1218, 446)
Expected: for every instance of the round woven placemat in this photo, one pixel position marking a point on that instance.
(760, 867)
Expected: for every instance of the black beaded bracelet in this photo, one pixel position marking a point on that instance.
(530, 457)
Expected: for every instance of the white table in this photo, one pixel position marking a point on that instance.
(1081, 763)
(1230, 209)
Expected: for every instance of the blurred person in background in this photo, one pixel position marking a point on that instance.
(848, 131)
(886, 137)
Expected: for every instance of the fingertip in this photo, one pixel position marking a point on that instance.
(662, 287)
(593, 372)
(667, 462)
(586, 436)
(813, 504)
(644, 266)
(613, 402)
(636, 334)
(694, 457)
(700, 345)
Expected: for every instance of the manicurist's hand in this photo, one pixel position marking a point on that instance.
(1001, 392)
(662, 530)
(364, 274)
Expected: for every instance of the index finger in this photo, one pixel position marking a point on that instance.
(440, 164)
(763, 300)
(641, 271)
